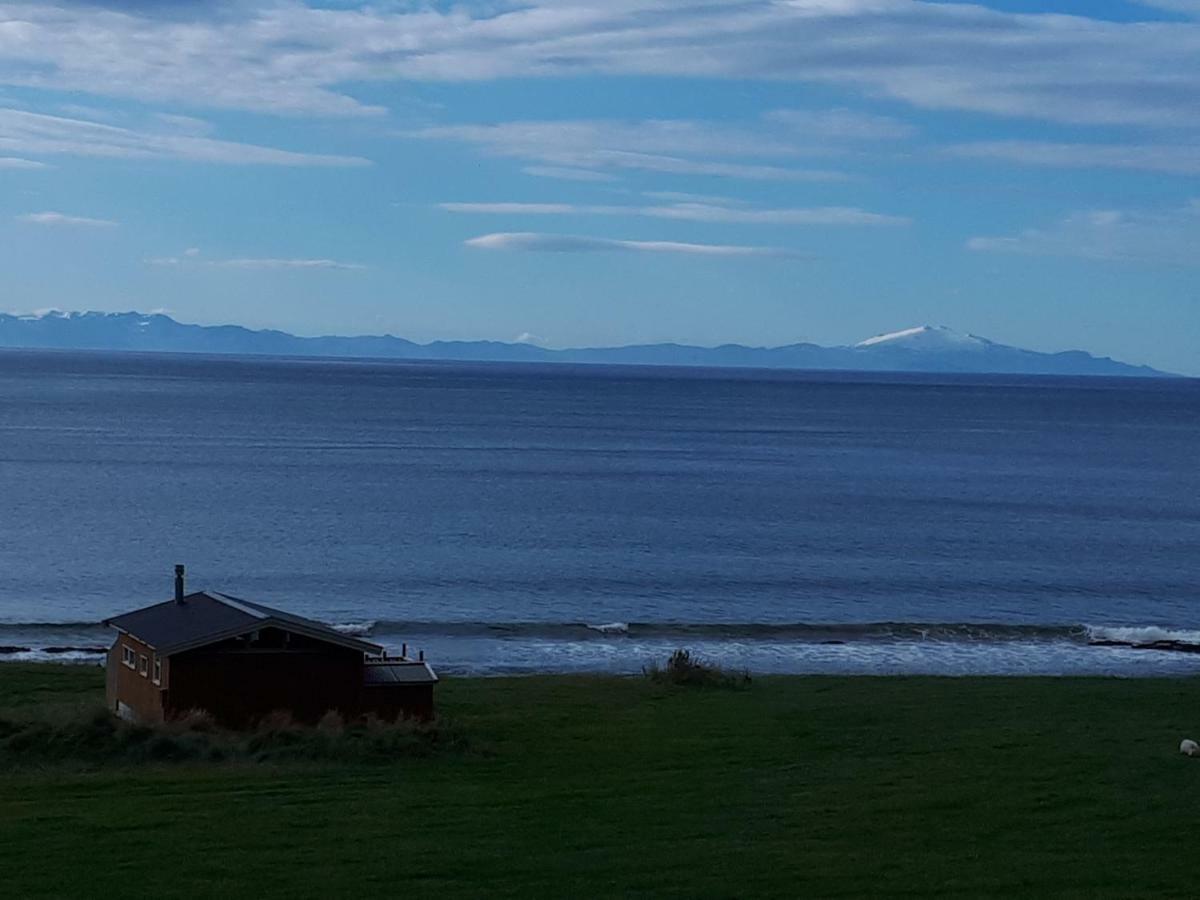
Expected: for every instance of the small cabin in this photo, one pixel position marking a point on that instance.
(239, 661)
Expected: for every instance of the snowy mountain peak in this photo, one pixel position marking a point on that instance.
(926, 337)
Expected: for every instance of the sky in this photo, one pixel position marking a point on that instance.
(600, 172)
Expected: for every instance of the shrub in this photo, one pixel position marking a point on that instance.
(684, 669)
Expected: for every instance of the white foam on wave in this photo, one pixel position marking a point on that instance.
(355, 628)
(1140, 634)
(70, 656)
(611, 628)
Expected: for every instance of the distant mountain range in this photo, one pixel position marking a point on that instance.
(923, 349)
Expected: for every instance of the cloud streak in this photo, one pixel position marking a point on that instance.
(36, 133)
(692, 212)
(263, 263)
(15, 162)
(1157, 237)
(567, 243)
(285, 57)
(600, 147)
(1170, 159)
(64, 220)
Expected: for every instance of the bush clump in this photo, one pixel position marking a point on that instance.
(686, 670)
(96, 737)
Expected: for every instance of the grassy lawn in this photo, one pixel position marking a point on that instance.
(598, 787)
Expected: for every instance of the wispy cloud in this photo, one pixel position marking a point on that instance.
(293, 58)
(691, 211)
(841, 125)
(1169, 236)
(15, 162)
(819, 215)
(29, 132)
(567, 243)
(270, 263)
(57, 219)
(191, 258)
(528, 209)
(1172, 159)
(566, 173)
(668, 146)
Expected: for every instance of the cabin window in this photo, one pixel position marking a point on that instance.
(157, 670)
(143, 666)
(127, 656)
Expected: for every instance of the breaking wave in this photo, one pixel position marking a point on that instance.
(793, 632)
(545, 645)
(358, 629)
(1140, 634)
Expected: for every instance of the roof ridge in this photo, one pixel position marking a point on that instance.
(237, 604)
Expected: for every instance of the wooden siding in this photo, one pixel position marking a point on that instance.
(138, 692)
(241, 680)
(237, 685)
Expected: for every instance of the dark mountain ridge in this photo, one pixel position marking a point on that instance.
(923, 349)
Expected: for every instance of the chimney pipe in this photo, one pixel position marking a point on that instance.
(179, 584)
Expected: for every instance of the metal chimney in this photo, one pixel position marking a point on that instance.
(179, 584)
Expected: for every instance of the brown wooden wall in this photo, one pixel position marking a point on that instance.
(129, 686)
(240, 680)
(238, 686)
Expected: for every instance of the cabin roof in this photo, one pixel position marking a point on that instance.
(206, 617)
(388, 672)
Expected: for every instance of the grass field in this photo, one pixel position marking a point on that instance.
(597, 787)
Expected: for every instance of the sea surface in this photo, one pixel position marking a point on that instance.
(525, 518)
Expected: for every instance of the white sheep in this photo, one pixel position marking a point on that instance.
(1188, 747)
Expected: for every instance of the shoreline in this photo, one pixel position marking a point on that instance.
(496, 649)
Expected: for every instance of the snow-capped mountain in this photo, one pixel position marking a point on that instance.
(927, 337)
(923, 349)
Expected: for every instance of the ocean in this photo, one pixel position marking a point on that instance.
(532, 518)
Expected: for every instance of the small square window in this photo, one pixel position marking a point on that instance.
(157, 671)
(127, 657)
(143, 666)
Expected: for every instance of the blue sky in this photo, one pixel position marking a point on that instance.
(588, 173)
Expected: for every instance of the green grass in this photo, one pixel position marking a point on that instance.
(597, 787)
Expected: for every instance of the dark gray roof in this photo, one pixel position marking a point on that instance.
(206, 617)
(397, 672)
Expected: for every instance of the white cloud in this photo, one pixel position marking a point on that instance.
(57, 218)
(566, 173)
(671, 146)
(15, 162)
(1170, 236)
(691, 211)
(1172, 159)
(567, 243)
(528, 209)
(190, 255)
(283, 56)
(527, 337)
(185, 124)
(28, 132)
(841, 125)
(820, 215)
(285, 264)
(689, 197)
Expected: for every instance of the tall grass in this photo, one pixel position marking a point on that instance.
(684, 669)
(93, 736)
